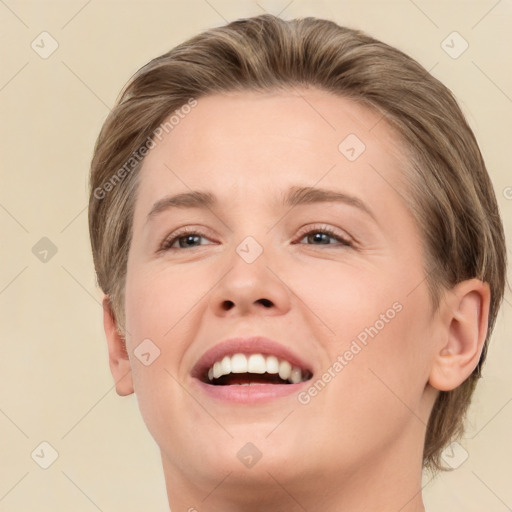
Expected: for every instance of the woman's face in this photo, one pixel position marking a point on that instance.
(335, 282)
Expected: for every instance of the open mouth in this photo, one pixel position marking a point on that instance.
(249, 369)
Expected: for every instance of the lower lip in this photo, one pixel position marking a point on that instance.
(254, 393)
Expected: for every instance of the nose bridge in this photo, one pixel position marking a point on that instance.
(250, 284)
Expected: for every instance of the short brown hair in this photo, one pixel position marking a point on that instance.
(452, 198)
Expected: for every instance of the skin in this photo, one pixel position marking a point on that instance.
(357, 445)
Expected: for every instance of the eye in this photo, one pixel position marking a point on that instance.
(186, 238)
(191, 238)
(322, 236)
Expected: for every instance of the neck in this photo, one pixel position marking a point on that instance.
(386, 486)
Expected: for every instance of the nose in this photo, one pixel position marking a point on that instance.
(251, 288)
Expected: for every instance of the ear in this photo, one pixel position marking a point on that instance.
(464, 317)
(118, 356)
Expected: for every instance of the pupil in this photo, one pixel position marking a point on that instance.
(190, 238)
(318, 237)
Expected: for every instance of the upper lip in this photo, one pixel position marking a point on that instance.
(251, 345)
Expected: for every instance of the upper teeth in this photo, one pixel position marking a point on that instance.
(255, 363)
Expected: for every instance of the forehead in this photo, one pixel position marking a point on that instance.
(247, 145)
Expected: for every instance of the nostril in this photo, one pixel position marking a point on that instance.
(227, 305)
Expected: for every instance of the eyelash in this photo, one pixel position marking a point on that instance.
(169, 241)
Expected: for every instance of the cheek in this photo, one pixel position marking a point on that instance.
(156, 319)
(162, 305)
(377, 395)
(159, 301)
(348, 296)
(380, 330)
(386, 367)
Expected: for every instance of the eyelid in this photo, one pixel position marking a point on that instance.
(343, 236)
(170, 238)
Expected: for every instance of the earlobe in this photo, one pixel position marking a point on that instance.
(118, 356)
(465, 317)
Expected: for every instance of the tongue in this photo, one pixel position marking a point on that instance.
(246, 378)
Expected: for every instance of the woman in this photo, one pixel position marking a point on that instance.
(302, 260)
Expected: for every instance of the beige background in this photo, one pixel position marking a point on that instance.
(55, 382)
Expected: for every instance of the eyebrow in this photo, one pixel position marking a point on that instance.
(295, 196)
